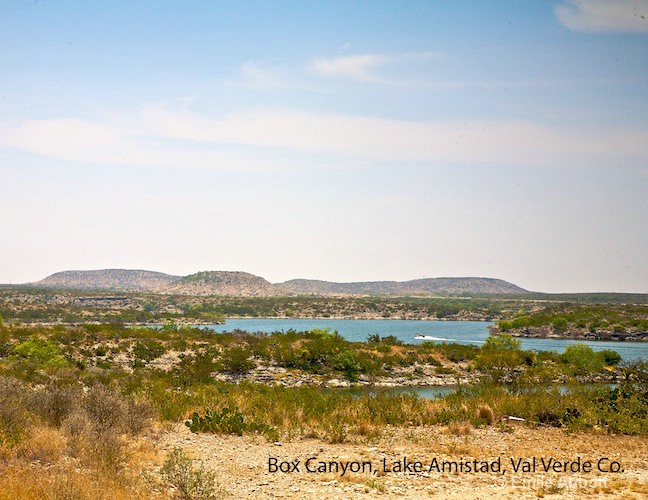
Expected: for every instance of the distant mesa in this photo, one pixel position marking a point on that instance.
(234, 283)
(424, 286)
(241, 284)
(107, 279)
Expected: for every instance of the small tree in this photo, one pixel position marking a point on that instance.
(582, 359)
(39, 352)
(499, 357)
(347, 362)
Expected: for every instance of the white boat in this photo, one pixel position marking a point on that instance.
(420, 336)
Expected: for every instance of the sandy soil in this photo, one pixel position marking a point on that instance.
(242, 464)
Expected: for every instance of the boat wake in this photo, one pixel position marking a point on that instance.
(443, 339)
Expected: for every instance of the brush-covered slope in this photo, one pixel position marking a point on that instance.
(233, 283)
(420, 286)
(107, 279)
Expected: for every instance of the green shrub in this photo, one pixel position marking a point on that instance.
(347, 362)
(236, 360)
(189, 483)
(146, 351)
(39, 352)
(499, 358)
(582, 359)
(505, 326)
(610, 357)
(457, 352)
(559, 323)
(195, 369)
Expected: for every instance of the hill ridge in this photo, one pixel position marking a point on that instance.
(416, 286)
(107, 279)
(241, 283)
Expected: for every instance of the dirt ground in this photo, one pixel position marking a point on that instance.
(368, 465)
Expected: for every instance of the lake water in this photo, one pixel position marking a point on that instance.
(433, 391)
(463, 332)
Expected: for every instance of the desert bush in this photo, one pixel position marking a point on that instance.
(485, 413)
(335, 432)
(105, 408)
(188, 482)
(236, 360)
(105, 450)
(14, 417)
(54, 404)
(459, 428)
(14, 422)
(109, 410)
(195, 369)
(146, 351)
(75, 425)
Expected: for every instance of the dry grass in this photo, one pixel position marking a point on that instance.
(459, 428)
(62, 483)
(64, 442)
(485, 412)
(44, 445)
(48, 464)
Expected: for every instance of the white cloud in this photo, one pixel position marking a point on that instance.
(128, 143)
(604, 15)
(358, 67)
(475, 141)
(68, 139)
(368, 67)
(257, 77)
(158, 136)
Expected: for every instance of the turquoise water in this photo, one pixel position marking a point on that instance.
(463, 332)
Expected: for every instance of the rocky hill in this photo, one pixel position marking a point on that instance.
(248, 285)
(463, 285)
(317, 287)
(232, 283)
(107, 279)
(413, 287)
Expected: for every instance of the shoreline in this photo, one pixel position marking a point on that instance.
(542, 333)
(550, 334)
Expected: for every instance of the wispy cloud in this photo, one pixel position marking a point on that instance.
(365, 67)
(128, 142)
(256, 76)
(604, 15)
(159, 136)
(358, 67)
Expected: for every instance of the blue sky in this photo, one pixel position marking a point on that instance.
(332, 140)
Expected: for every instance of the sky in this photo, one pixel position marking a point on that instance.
(335, 140)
